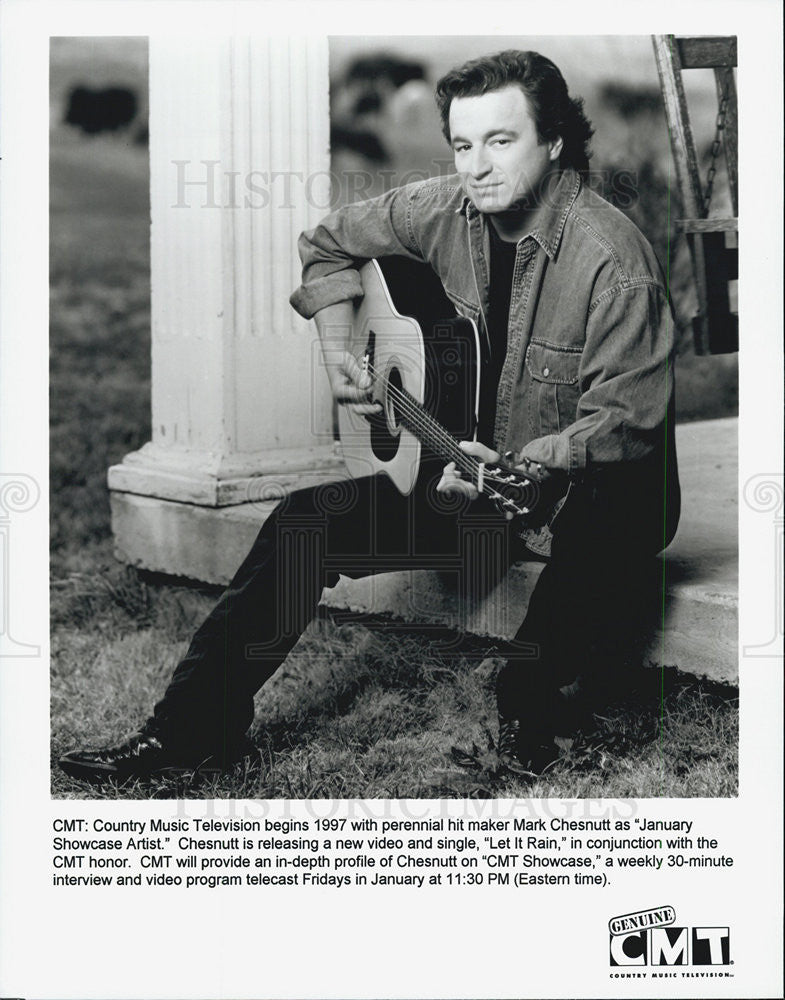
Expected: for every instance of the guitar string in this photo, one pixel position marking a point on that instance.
(410, 407)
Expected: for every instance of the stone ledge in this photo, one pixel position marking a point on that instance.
(701, 594)
(212, 480)
(700, 635)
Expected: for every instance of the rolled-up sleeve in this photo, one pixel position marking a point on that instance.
(626, 380)
(332, 252)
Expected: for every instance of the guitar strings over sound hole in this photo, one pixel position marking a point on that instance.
(385, 426)
(394, 387)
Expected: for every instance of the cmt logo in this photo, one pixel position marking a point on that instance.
(659, 946)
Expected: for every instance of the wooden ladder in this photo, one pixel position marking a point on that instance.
(713, 242)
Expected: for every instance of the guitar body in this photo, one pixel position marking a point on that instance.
(415, 344)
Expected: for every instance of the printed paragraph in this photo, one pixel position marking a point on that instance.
(340, 852)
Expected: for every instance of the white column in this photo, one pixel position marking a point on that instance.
(239, 156)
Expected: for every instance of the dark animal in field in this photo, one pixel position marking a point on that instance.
(360, 97)
(106, 110)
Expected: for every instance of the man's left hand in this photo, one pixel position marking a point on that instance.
(453, 482)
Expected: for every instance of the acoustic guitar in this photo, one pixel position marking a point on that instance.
(424, 361)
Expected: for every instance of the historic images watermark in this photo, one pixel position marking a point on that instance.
(410, 809)
(206, 184)
(764, 494)
(19, 493)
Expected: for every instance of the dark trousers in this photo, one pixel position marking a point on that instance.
(574, 622)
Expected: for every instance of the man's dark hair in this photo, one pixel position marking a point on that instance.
(555, 112)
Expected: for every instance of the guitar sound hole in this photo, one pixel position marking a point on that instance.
(385, 433)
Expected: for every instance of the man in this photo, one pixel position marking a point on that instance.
(576, 381)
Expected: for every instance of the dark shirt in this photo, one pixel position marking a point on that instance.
(494, 350)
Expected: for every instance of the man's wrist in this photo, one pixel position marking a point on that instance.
(552, 452)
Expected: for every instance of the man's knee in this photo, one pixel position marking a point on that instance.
(323, 501)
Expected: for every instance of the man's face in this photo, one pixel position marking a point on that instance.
(497, 152)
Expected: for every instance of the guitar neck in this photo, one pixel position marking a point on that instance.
(418, 421)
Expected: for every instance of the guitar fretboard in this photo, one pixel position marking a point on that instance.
(416, 419)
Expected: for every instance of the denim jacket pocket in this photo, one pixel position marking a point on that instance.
(553, 389)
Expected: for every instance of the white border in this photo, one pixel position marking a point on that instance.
(57, 944)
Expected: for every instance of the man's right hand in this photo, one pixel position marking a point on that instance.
(350, 385)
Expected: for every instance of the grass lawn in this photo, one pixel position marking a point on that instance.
(355, 711)
(362, 712)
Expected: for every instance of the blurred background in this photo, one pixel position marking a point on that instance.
(384, 131)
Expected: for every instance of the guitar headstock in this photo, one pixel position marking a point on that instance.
(526, 491)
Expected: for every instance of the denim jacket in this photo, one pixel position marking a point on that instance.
(587, 382)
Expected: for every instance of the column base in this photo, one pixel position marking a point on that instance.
(182, 539)
(211, 480)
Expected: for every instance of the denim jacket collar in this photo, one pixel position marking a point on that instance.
(552, 215)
